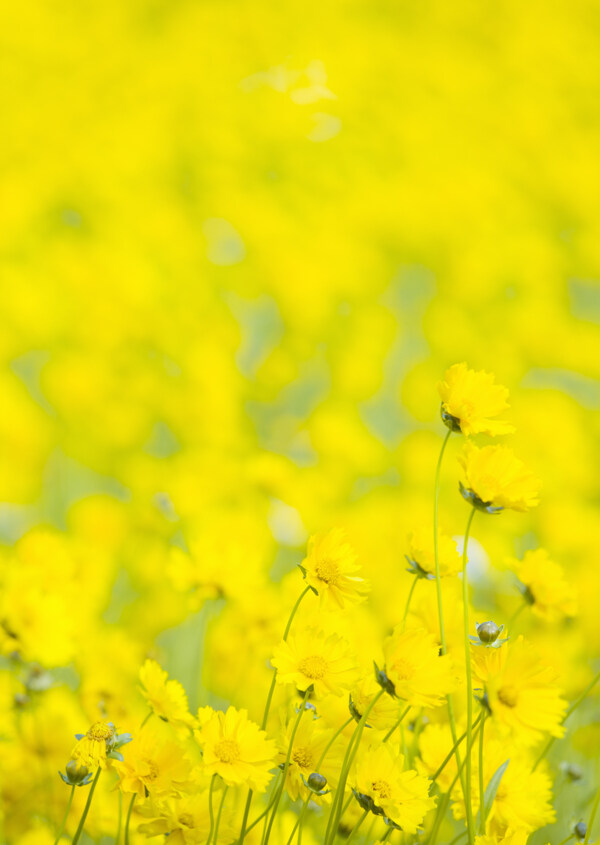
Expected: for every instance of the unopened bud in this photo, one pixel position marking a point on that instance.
(488, 632)
(316, 782)
(580, 830)
(77, 773)
(572, 771)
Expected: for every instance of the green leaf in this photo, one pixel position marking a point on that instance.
(490, 793)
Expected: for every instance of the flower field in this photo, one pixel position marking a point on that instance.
(299, 371)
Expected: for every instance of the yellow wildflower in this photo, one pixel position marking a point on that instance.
(421, 554)
(494, 479)
(154, 764)
(329, 569)
(469, 400)
(552, 597)
(384, 713)
(310, 657)
(413, 664)
(91, 749)
(382, 783)
(237, 749)
(310, 741)
(166, 698)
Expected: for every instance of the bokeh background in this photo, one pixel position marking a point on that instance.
(240, 244)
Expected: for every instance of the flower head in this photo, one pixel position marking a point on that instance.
(166, 698)
(494, 479)
(381, 784)
(551, 596)
(154, 764)
(420, 675)
(99, 743)
(329, 569)
(310, 741)
(421, 554)
(311, 658)
(237, 749)
(470, 399)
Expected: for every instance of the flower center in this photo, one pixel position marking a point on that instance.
(314, 667)
(403, 669)
(100, 731)
(303, 757)
(508, 695)
(382, 788)
(152, 770)
(227, 750)
(186, 819)
(327, 571)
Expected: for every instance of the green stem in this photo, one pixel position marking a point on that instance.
(409, 599)
(569, 712)
(210, 809)
(287, 764)
(397, 725)
(592, 817)
(65, 817)
(268, 707)
(388, 832)
(86, 809)
(263, 814)
(127, 820)
(216, 836)
(119, 818)
(356, 827)
(515, 616)
(481, 784)
(300, 818)
(336, 812)
(438, 588)
(465, 586)
(452, 751)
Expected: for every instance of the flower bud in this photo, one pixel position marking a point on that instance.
(77, 774)
(572, 771)
(580, 830)
(316, 782)
(488, 632)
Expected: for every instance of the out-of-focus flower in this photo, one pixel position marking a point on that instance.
(413, 664)
(166, 697)
(551, 596)
(330, 567)
(421, 554)
(494, 479)
(313, 658)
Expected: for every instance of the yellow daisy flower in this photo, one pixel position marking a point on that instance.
(328, 568)
(237, 749)
(380, 782)
(384, 713)
(311, 658)
(166, 698)
(494, 479)
(470, 398)
(91, 749)
(310, 741)
(413, 664)
(421, 555)
(520, 691)
(552, 597)
(154, 764)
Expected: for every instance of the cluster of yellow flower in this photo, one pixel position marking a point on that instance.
(439, 729)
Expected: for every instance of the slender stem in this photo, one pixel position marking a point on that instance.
(264, 812)
(119, 818)
(127, 820)
(481, 784)
(211, 815)
(86, 809)
(592, 817)
(409, 599)
(569, 837)
(397, 725)
(65, 817)
(336, 813)
(148, 714)
(216, 836)
(388, 833)
(438, 588)
(356, 827)
(459, 837)
(300, 818)
(569, 712)
(465, 585)
(287, 765)
(452, 750)
(268, 707)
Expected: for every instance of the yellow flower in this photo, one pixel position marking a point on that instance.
(470, 398)
(552, 597)
(521, 692)
(310, 741)
(381, 782)
(154, 764)
(329, 567)
(310, 657)
(91, 749)
(494, 479)
(413, 664)
(420, 552)
(166, 698)
(185, 821)
(237, 749)
(511, 837)
(384, 713)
